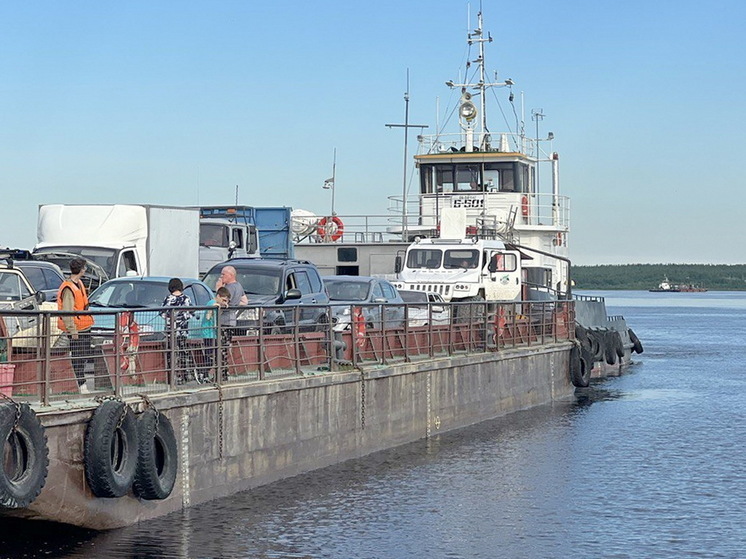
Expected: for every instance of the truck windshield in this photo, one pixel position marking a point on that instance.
(213, 235)
(104, 257)
(461, 259)
(424, 258)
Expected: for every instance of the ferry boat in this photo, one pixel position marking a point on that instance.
(144, 444)
(506, 186)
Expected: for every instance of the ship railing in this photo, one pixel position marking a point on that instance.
(128, 353)
(455, 142)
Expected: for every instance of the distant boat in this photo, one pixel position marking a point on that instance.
(668, 287)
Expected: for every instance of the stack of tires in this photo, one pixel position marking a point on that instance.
(123, 453)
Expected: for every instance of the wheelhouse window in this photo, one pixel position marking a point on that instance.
(508, 176)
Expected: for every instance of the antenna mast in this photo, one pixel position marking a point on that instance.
(406, 127)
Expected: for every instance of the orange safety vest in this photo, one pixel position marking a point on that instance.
(82, 321)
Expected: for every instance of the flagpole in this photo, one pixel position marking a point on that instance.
(334, 178)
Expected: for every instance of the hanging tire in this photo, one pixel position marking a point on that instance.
(609, 348)
(636, 343)
(157, 462)
(618, 345)
(111, 449)
(580, 367)
(596, 344)
(25, 456)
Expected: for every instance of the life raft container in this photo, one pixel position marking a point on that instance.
(111, 449)
(26, 455)
(157, 461)
(330, 228)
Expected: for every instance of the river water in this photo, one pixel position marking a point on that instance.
(648, 464)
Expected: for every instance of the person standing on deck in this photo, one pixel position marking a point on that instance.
(73, 297)
(228, 315)
(178, 321)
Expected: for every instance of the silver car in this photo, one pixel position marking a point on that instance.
(425, 308)
(379, 301)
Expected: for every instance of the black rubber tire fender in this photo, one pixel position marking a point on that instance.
(158, 457)
(581, 334)
(580, 367)
(25, 453)
(609, 347)
(596, 344)
(111, 449)
(636, 343)
(618, 345)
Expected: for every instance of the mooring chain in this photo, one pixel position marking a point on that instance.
(220, 418)
(362, 399)
(149, 404)
(102, 399)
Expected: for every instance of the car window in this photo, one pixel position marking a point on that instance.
(388, 290)
(35, 276)
(377, 291)
(316, 284)
(411, 296)
(11, 287)
(51, 279)
(198, 294)
(302, 282)
(347, 290)
(257, 282)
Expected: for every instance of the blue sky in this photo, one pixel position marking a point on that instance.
(179, 102)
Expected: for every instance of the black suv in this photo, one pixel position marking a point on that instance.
(279, 285)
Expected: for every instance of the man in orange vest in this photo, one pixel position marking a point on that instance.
(72, 296)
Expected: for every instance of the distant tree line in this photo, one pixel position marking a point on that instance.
(719, 277)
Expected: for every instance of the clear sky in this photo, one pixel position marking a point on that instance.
(178, 102)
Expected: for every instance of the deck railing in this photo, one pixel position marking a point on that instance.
(135, 352)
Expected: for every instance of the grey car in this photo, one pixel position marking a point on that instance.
(375, 296)
(43, 276)
(284, 289)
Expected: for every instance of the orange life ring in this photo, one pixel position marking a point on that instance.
(130, 336)
(358, 324)
(330, 228)
(524, 206)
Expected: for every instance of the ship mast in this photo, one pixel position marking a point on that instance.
(467, 110)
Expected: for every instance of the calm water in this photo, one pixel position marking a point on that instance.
(649, 464)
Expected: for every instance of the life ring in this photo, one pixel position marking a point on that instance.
(130, 333)
(580, 367)
(111, 449)
(557, 240)
(524, 206)
(358, 325)
(330, 228)
(636, 343)
(26, 456)
(157, 460)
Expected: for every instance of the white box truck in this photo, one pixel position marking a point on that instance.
(121, 239)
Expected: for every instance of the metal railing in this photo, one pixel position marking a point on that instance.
(127, 353)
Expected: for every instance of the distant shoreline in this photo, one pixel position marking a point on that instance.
(643, 277)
